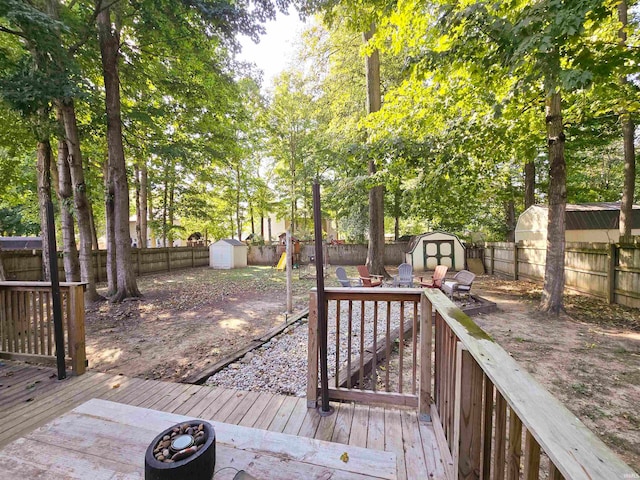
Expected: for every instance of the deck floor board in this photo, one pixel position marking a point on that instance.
(375, 427)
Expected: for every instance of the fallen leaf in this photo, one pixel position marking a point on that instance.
(115, 385)
(344, 457)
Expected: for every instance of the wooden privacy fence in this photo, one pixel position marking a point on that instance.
(26, 323)
(492, 418)
(609, 271)
(27, 265)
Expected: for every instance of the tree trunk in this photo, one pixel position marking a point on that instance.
(136, 180)
(529, 184)
(172, 188)
(112, 275)
(510, 217)
(165, 203)
(238, 217)
(554, 269)
(65, 199)
(109, 42)
(44, 195)
(628, 134)
(375, 252)
(141, 203)
(94, 230)
(152, 238)
(80, 199)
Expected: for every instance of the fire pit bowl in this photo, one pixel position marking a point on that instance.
(186, 451)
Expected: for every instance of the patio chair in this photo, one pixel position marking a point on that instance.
(436, 279)
(367, 279)
(461, 283)
(404, 277)
(346, 281)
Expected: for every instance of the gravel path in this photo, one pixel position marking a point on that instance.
(280, 366)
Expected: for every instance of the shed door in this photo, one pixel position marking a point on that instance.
(438, 252)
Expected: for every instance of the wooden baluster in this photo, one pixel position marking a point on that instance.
(467, 431)
(531, 457)
(388, 348)
(414, 351)
(515, 446)
(487, 428)
(337, 375)
(401, 348)
(437, 380)
(43, 325)
(21, 317)
(374, 366)
(349, 334)
(554, 473)
(34, 321)
(48, 310)
(500, 442)
(361, 376)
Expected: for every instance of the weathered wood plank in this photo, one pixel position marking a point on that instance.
(283, 414)
(413, 450)
(255, 411)
(269, 413)
(343, 423)
(375, 432)
(359, 426)
(393, 440)
(296, 417)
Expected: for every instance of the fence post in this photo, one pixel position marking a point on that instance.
(77, 348)
(426, 334)
(467, 430)
(312, 353)
(612, 257)
(515, 261)
(493, 256)
(168, 258)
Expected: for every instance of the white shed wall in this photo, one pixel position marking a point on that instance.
(416, 258)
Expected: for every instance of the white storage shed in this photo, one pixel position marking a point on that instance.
(428, 250)
(228, 253)
(586, 222)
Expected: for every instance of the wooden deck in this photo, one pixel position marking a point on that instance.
(31, 396)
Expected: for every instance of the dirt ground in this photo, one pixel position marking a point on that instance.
(188, 320)
(589, 357)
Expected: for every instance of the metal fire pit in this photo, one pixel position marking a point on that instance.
(196, 466)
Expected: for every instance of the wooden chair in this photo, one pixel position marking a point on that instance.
(404, 277)
(346, 281)
(367, 279)
(436, 279)
(461, 283)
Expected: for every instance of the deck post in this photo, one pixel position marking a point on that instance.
(77, 348)
(312, 353)
(426, 333)
(467, 434)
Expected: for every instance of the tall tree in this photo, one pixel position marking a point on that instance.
(375, 251)
(126, 285)
(628, 135)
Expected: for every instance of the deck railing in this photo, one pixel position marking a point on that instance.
(26, 323)
(492, 418)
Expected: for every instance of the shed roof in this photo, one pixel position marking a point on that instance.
(415, 240)
(21, 243)
(231, 241)
(596, 216)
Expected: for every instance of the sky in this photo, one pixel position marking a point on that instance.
(276, 47)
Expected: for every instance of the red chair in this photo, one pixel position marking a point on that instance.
(367, 279)
(436, 279)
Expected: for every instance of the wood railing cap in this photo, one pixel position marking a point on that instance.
(575, 450)
(41, 284)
